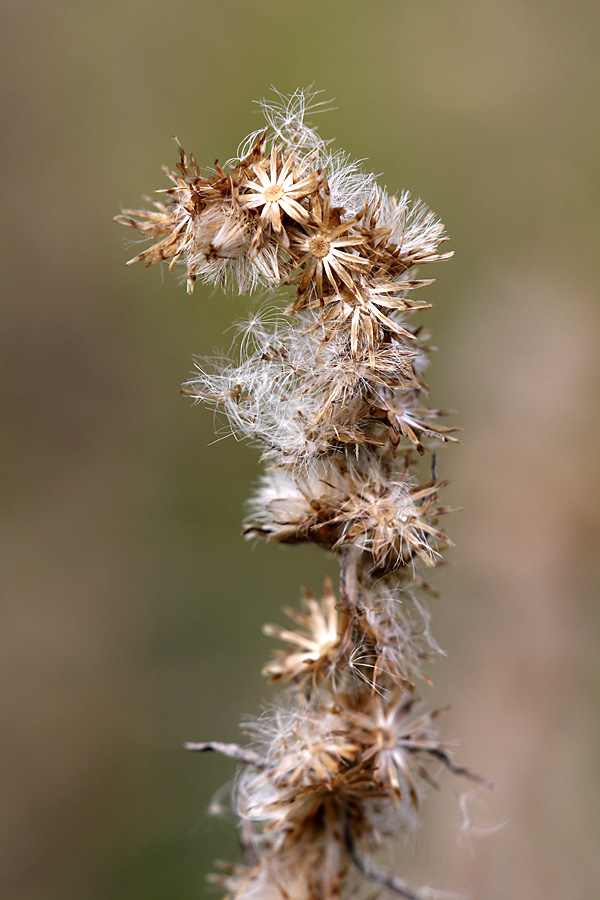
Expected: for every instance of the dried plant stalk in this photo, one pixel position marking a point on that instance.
(333, 393)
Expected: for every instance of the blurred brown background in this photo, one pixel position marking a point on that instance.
(131, 607)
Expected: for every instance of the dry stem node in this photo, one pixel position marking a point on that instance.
(331, 387)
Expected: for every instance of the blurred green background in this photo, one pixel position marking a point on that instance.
(131, 606)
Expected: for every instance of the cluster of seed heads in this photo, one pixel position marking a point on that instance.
(330, 385)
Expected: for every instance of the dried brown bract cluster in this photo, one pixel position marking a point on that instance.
(330, 385)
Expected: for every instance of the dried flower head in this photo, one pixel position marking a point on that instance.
(276, 190)
(318, 643)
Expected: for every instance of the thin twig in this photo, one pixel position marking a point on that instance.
(242, 754)
(371, 871)
(458, 770)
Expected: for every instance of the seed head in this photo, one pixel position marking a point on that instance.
(330, 384)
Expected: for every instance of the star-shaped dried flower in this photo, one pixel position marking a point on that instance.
(318, 642)
(324, 248)
(394, 740)
(393, 522)
(278, 192)
(361, 307)
(398, 739)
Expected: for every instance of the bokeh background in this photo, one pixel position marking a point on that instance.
(131, 606)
